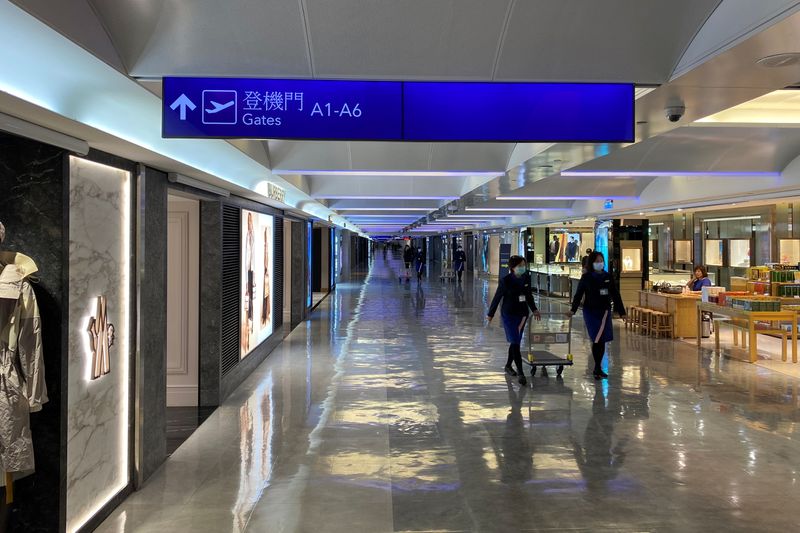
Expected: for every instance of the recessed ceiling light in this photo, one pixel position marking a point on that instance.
(779, 60)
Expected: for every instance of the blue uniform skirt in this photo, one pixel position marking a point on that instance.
(514, 327)
(459, 266)
(598, 325)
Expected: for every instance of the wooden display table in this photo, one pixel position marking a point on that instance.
(682, 307)
(750, 317)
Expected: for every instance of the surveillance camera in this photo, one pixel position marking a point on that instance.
(675, 112)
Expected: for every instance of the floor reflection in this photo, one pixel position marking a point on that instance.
(389, 411)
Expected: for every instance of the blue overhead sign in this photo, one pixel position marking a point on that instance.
(518, 112)
(282, 109)
(257, 108)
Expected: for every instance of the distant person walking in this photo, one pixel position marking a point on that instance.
(459, 261)
(420, 263)
(598, 291)
(408, 259)
(585, 266)
(515, 292)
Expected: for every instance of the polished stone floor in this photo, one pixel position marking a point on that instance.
(388, 411)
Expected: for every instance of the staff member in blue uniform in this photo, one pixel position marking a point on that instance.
(515, 292)
(420, 263)
(408, 258)
(600, 292)
(459, 260)
(699, 280)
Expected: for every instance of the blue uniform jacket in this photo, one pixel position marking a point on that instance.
(509, 290)
(599, 290)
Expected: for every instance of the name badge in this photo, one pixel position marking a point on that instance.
(603, 292)
(521, 297)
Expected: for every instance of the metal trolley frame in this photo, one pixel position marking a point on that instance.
(540, 341)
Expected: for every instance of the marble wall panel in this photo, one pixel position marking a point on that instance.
(99, 265)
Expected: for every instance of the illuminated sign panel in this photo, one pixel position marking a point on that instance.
(255, 108)
(257, 287)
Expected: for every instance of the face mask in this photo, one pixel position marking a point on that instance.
(520, 270)
(598, 266)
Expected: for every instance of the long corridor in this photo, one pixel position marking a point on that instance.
(389, 411)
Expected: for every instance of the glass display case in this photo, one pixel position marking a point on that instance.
(683, 251)
(713, 252)
(678, 277)
(631, 259)
(789, 251)
(739, 252)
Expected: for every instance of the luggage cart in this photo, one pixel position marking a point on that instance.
(448, 274)
(552, 330)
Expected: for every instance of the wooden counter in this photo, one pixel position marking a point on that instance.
(751, 317)
(682, 307)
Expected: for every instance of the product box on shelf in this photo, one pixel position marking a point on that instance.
(758, 273)
(723, 298)
(707, 293)
(756, 304)
(782, 276)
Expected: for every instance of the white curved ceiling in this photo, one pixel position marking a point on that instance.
(640, 41)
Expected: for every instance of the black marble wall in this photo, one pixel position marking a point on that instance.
(151, 360)
(33, 207)
(210, 301)
(299, 267)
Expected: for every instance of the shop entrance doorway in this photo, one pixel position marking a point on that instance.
(183, 307)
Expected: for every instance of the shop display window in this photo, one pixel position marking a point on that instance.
(683, 252)
(713, 252)
(739, 253)
(790, 251)
(652, 251)
(631, 260)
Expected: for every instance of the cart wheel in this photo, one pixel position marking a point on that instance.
(560, 370)
(533, 371)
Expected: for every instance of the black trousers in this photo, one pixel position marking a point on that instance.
(515, 355)
(598, 350)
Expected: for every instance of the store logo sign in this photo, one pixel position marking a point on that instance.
(101, 339)
(276, 193)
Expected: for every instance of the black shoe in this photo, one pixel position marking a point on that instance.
(600, 375)
(522, 380)
(510, 371)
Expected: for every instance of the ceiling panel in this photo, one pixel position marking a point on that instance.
(613, 40)
(706, 149)
(445, 39)
(388, 156)
(208, 37)
(75, 19)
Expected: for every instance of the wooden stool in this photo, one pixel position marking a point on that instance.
(643, 324)
(661, 323)
(630, 319)
(651, 323)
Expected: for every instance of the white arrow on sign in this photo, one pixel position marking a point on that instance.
(183, 102)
